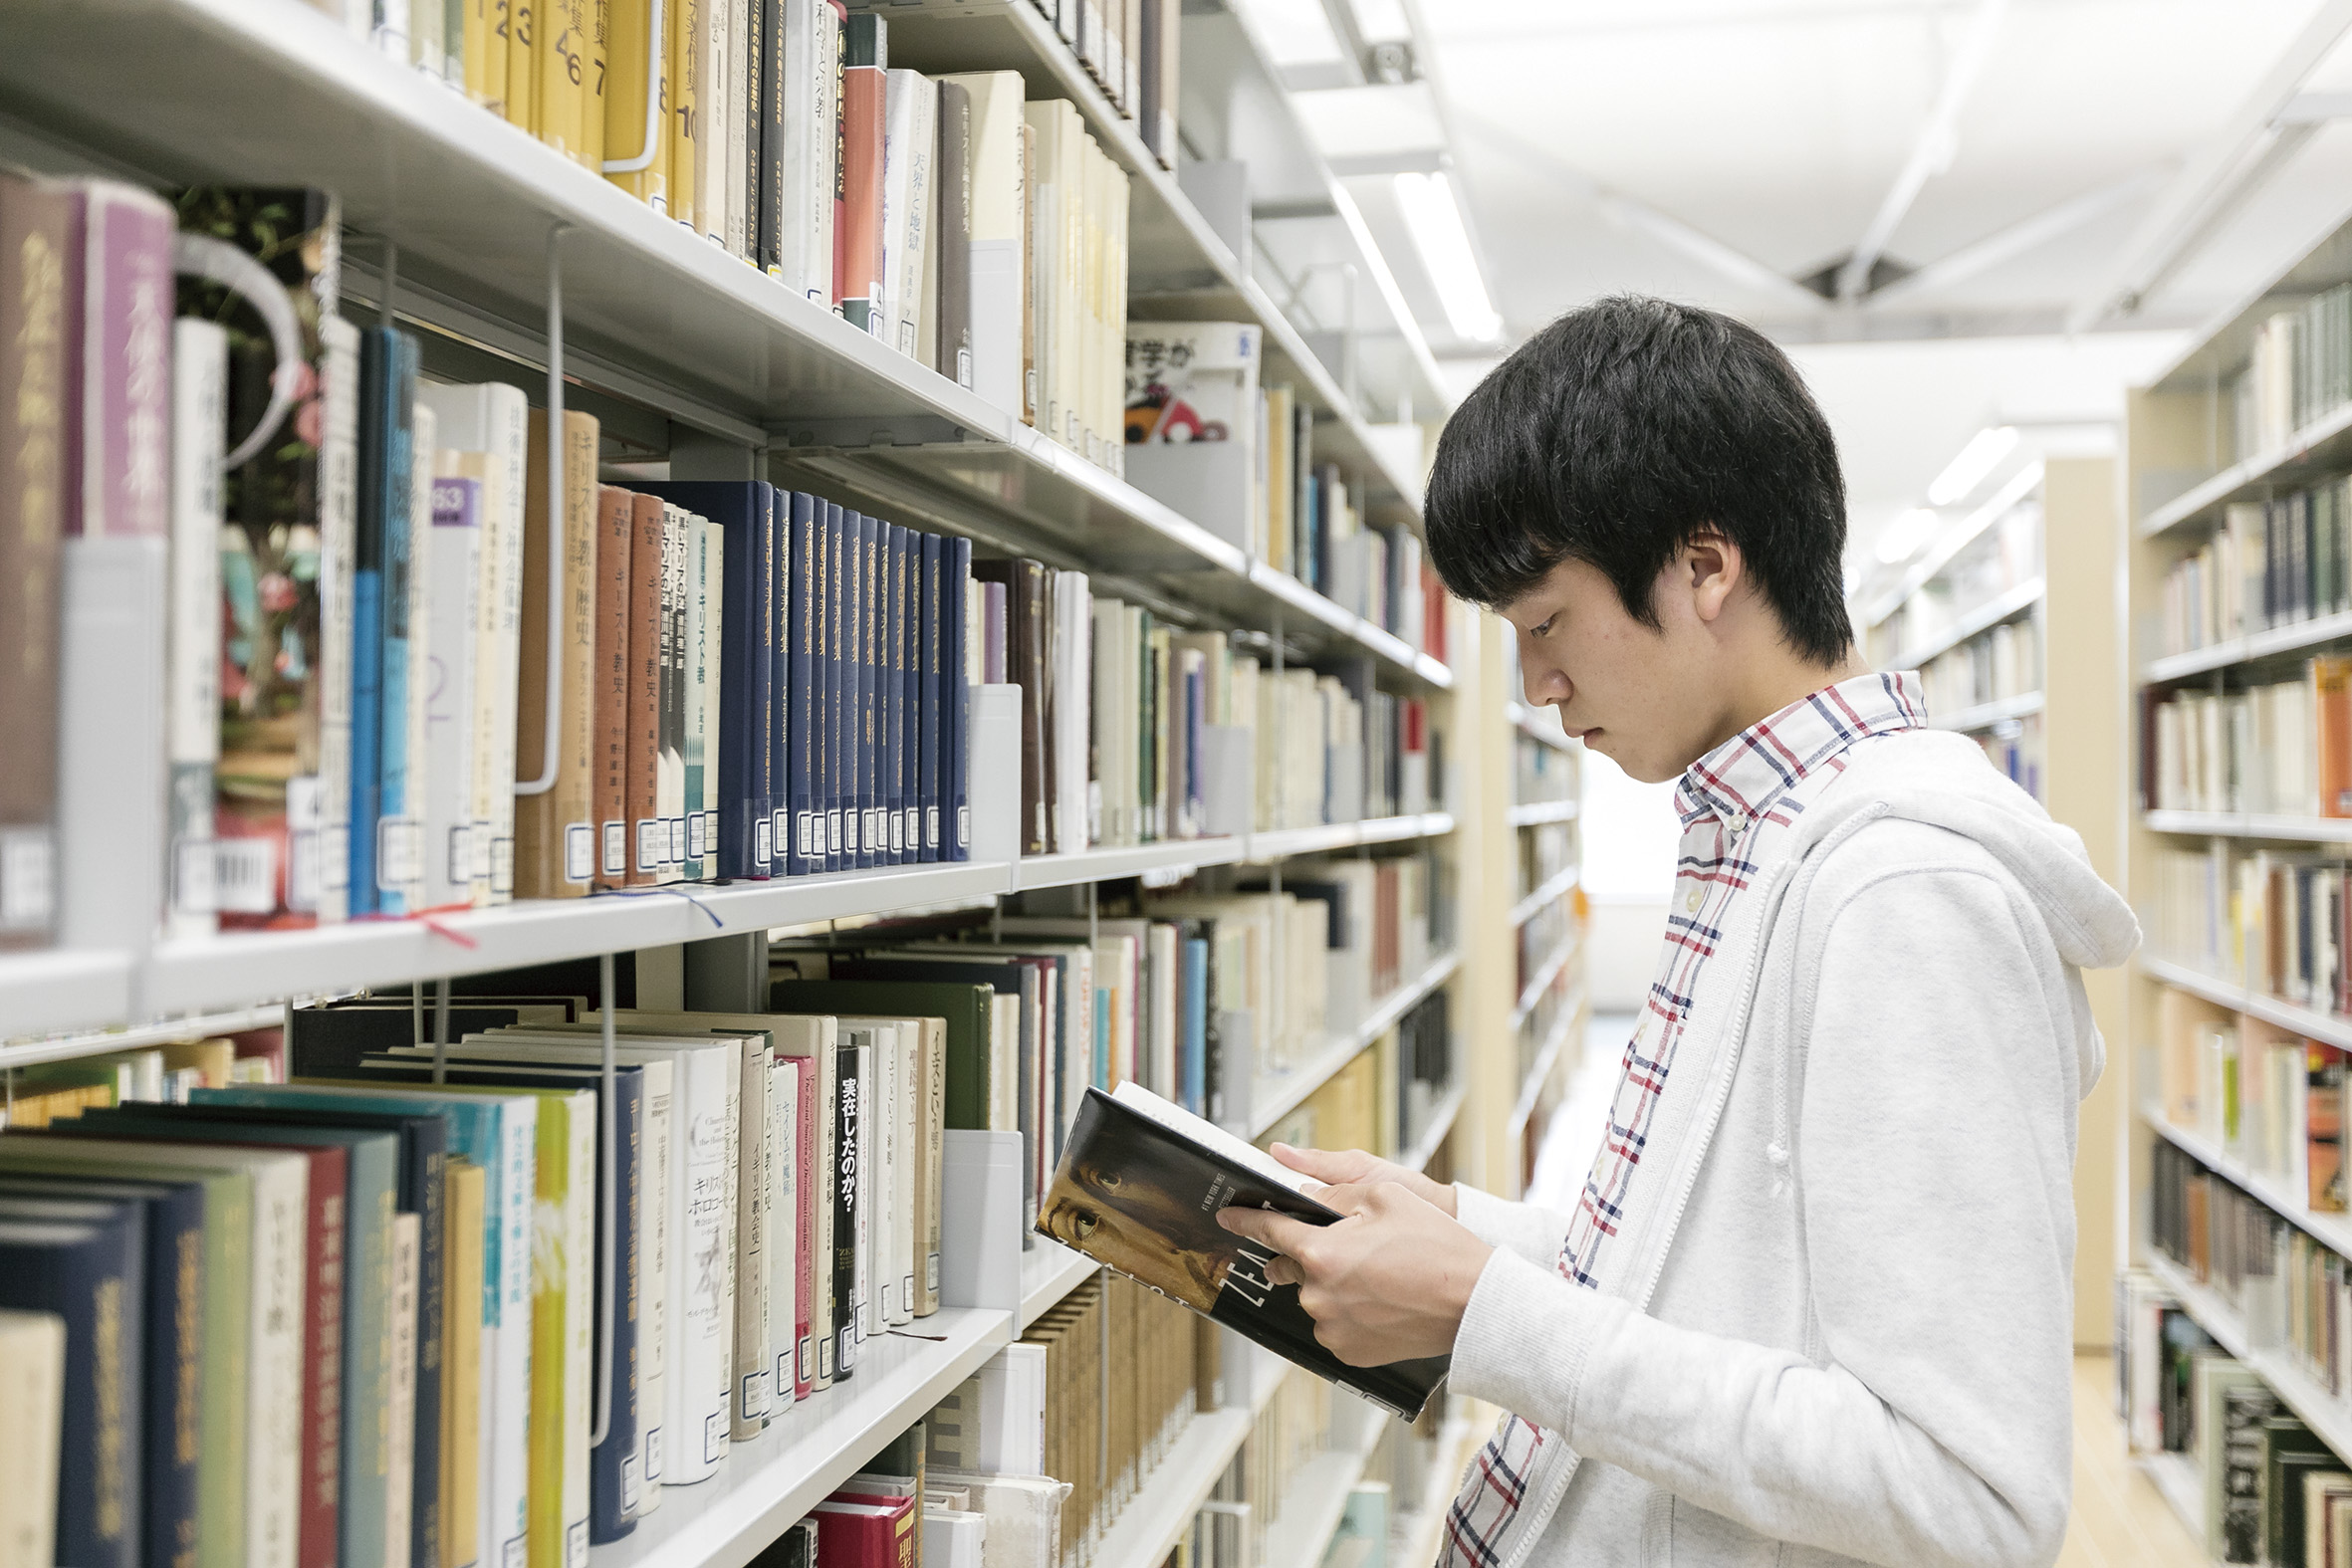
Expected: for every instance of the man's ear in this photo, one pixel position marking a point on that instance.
(1712, 571)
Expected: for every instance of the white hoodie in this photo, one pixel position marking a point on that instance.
(1838, 1313)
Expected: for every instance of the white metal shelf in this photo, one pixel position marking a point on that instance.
(1162, 1509)
(773, 1479)
(2322, 444)
(2267, 643)
(2182, 1485)
(1315, 1499)
(1545, 972)
(1433, 1137)
(1536, 812)
(1049, 1271)
(61, 989)
(1271, 1099)
(167, 1032)
(2323, 1412)
(1284, 842)
(1985, 715)
(1555, 888)
(1984, 619)
(1538, 724)
(1107, 862)
(2275, 1193)
(1539, 1070)
(2325, 1027)
(2249, 825)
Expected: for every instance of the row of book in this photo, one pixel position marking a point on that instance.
(166, 1074)
(2281, 748)
(2014, 747)
(1544, 850)
(2271, 921)
(2005, 558)
(982, 236)
(2002, 662)
(2268, 1096)
(373, 1300)
(2270, 564)
(2298, 371)
(2269, 1491)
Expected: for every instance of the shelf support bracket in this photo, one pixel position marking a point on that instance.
(551, 747)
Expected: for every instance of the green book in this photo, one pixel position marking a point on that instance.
(370, 1193)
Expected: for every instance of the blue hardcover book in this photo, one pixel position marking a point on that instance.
(746, 632)
(170, 1227)
(373, 1176)
(956, 695)
(838, 686)
(388, 486)
(872, 846)
(1193, 1028)
(857, 749)
(92, 1274)
(379, 369)
(890, 669)
(799, 550)
(776, 783)
(910, 694)
(927, 697)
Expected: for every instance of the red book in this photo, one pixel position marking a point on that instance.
(648, 836)
(857, 277)
(865, 1533)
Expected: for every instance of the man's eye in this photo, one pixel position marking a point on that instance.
(1544, 629)
(1085, 1223)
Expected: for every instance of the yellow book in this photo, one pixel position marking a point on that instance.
(464, 1188)
(563, 51)
(592, 106)
(485, 53)
(685, 90)
(522, 63)
(632, 56)
(1278, 486)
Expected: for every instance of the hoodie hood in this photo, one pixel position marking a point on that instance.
(1943, 779)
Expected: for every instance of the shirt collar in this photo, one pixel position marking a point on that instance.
(1750, 774)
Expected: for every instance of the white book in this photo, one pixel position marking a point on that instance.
(31, 1407)
(717, 126)
(319, 809)
(859, 1322)
(954, 1537)
(907, 1126)
(1044, 398)
(795, 261)
(399, 1488)
(702, 699)
(274, 1343)
(454, 611)
(784, 1207)
(742, 222)
(200, 427)
(493, 421)
(910, 146)
(1074, 632)
(670, 773)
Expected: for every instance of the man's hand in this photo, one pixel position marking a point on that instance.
(1354, 1168)
(1388, 1282)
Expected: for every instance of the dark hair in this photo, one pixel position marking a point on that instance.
(1615, 434)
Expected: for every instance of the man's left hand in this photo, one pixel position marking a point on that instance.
(1388, 1282)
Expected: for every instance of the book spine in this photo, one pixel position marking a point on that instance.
(763, 131)
(616, 1466)
(681, 100)
(367, 619)
(556, 829)
(809, 1191)
(782, 1252)
(713, 689)
(737, 736)
(929, 617)
(956, 569)
(873, 849)
(851, 586)
(829, 731)
(199, 424)
(36, 260)
(773, 709)
(398, 863)
(454, 574)
(834, 214)
(865, 115)
(97, 1287)
(636, 54)
(648, 571)
(890, 669)
(849, 1136)
(693, 697)
(614, 535)
(797, 560)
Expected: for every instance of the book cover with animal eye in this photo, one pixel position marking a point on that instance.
(1139, 1190)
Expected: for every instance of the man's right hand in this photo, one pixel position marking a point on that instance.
(1353, 1167)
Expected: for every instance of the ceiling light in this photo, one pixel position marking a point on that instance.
(1965, 471)
(1433, 216)
(1899, 540)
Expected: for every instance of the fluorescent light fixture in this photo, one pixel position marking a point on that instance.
(1433, 216)
(1900, 538)
(1967, 471)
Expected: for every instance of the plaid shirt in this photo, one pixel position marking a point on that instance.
(1733, 802)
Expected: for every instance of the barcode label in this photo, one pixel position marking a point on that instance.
(696, 848)
(399, 853)
(502, 868)
(579, 852)
(245, 875)
(710, 833)
(677, 840)
(964, 369)
(28, 879)
(631, 1481)
(763, 848)
(485, 848)
(192, 881)
(963, 826)
(653, 1454)
(650, 839)
(832, 832)
(806, 833)
(617, 849)
(931, 826)
(779, 826)
(576, 1545)
(461, 853)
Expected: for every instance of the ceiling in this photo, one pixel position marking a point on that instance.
(2018, 158)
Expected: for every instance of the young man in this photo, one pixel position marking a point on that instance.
(1815, 1305)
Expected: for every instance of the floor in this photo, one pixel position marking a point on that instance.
(2120, 1519)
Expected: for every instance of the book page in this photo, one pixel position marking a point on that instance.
(1212, 1137)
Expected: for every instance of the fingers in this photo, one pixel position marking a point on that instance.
(1324, 1165)
(1280, 1232)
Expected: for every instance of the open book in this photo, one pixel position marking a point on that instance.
(1139, 1190)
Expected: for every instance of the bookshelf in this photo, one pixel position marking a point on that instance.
(461, 228)
(2207, 466)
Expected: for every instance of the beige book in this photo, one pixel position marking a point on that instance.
(464, 1187)
(399, 1519)
(555, 829)
(32, 1407)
